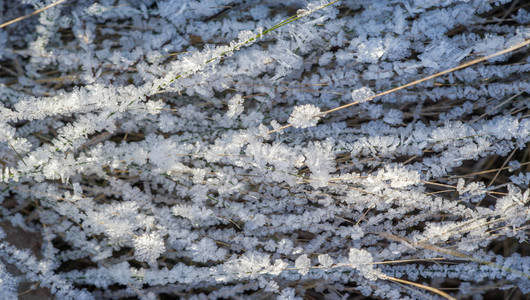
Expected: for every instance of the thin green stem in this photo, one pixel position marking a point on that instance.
(249, 41)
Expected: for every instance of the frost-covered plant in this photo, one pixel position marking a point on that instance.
(243, 149)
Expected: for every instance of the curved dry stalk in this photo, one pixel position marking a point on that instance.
(421, 286)
(416, 82)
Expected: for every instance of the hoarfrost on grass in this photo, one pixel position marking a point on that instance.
(136, 148)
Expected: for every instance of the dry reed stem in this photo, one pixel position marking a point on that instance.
(401, 261)
(416, 82)
(421, 286)
(497, 106)
(38, 11)
(449, 252)
(454, 187)
(500, 169)
(487, 171)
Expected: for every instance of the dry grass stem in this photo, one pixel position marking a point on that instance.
(416, 82)
(38, 11)
(421, 286)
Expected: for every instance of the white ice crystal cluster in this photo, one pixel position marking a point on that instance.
(361, 95)
(164, 149)
(304, 116)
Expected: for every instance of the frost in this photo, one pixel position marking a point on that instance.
(288, 294)
(399, 177)
(302, 263)
(361, 95)
(148, 247)
(235, 106)
(393, 117)
(370, 51)
(206, 250)
(145, 146)
(320, 162)
(8, 284)
(304, 116)
(362, 261)
(325, 260)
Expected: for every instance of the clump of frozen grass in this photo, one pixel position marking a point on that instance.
(144, 163)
